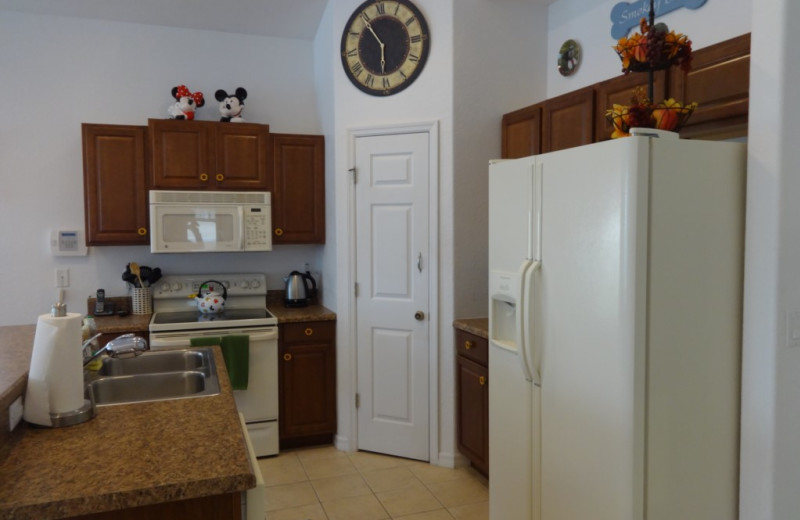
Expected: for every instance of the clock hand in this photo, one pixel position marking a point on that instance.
(369, 26)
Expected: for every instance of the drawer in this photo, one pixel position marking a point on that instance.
(472, 347)
(308, 331)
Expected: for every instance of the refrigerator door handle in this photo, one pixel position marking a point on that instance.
(522, 322)
(528, 346)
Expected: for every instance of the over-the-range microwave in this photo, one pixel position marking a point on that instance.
(210, 221)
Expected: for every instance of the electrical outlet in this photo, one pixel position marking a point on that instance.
(62, 277)
(14, 413)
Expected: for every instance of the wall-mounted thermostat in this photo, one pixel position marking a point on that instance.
(67, 243)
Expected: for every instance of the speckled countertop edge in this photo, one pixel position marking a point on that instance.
(128, 456)
(477, 326)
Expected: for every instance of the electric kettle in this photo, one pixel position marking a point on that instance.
(298, 293)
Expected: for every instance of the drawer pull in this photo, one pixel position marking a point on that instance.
(468, 344)
(309, 331)
(220, 177)
(204, 177)
(142, 231)
(482, 380)
(278, 232)
(287, 357)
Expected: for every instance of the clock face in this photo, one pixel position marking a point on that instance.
(384, 46)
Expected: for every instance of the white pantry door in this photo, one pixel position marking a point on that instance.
(392, 302)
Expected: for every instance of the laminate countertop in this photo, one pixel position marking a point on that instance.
(127, 456)
(477, 326)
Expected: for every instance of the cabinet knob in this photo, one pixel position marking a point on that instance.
(468, 344)
(142, 231)
(287, 357)
(482, 380)
(204, 177)
(278, 232)
(219, 177)
(309, 331)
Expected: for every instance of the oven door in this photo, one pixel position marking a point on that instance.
(195, 228)
(259, 403)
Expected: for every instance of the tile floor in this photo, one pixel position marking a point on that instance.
(322, 483)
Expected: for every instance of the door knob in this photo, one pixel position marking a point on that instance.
(419, 315)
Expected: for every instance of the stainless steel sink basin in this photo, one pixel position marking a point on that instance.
(158, 361)
(155, 376)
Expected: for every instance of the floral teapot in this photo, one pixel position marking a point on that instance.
(212, 301)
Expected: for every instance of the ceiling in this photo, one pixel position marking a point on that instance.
(297, 19)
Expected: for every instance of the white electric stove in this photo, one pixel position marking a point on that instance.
(176, 321)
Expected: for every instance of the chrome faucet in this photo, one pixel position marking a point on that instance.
(125, 346)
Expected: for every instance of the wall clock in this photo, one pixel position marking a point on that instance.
(384, 46)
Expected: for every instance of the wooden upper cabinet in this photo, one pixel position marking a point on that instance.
(522, 132)
(568, 120)
(115, 193)
(298, 189)
(619, 90)
(209, 155)
(720, 83)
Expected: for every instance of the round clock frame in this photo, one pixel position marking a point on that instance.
(385, 46)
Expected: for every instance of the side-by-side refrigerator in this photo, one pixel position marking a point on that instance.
(615, 297)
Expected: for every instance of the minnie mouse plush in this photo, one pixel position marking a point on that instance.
(185, 104)
(231, 105)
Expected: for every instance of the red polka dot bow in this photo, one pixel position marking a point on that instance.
(184, 92)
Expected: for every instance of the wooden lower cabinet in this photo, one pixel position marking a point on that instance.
(114, 184)
(472, 399)
(217, 507)
(307, 383)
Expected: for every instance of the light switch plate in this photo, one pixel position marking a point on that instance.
(14, 413)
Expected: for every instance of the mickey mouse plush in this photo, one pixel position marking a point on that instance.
(185, 104)
(231, 105)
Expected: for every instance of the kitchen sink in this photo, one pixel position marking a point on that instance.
(155, 376)
(158, 361)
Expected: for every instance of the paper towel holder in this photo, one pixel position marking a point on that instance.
(82, 414)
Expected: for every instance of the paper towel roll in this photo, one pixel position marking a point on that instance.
(55, 379)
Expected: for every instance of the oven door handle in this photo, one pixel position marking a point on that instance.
(184, 339)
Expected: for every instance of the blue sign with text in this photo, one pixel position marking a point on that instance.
(626, 15)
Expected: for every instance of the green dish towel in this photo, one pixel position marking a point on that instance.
(236, 351)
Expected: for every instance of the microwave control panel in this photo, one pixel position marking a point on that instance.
(257, 229)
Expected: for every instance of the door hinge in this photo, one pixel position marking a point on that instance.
(355, 174)
(358, 400)
(355, 290)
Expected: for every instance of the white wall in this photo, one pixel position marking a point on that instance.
(589, 23)
(770, 462)
(56, 73)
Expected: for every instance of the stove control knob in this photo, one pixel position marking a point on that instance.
(176, 286)
(245, 284)
(255, 284)
(226, 284)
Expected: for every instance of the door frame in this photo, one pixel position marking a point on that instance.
(431, 128)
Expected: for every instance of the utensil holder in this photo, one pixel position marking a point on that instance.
(142, 300)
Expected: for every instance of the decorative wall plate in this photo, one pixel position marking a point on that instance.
(569, 57)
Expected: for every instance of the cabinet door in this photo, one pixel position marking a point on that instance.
(182, 154)
(619, 90)
(473, 412)
(242, 156)
(522, 132)
(298, 200)
(114, 177)
(307, 380)
(568, 120)
(720, 83)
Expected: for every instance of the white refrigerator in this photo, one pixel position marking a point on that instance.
(615, 297)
